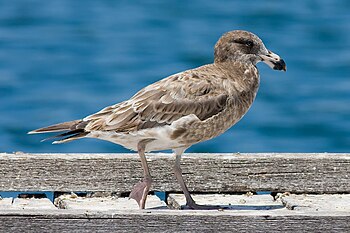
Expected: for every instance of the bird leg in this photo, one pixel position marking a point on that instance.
(178, 174)
(140, 190)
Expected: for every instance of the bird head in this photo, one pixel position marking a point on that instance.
(245, 47)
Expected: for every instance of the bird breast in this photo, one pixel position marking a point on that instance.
(237, 105)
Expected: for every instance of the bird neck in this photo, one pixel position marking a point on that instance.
(242, 77)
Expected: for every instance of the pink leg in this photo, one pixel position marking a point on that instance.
(178, 174)
(140, 190)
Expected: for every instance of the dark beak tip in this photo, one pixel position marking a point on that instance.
(280, 65)
(283, 64)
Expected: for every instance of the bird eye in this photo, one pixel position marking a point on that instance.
(245, 42)
(249, 43)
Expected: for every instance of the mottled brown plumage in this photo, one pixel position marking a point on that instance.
(182, 109)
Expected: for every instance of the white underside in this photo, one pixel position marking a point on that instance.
(159, 137)
(159, 140)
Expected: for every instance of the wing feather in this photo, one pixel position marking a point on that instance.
(162, 103)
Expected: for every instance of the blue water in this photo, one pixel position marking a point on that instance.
(62, 60)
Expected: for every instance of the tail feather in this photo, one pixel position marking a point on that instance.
(66, 134)
(75, 130)
(69, 125)
(71, 136)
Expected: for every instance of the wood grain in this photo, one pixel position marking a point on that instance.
(216, 173)
(171, 221)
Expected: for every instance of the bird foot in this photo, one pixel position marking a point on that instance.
(140, 191)
(195, 206)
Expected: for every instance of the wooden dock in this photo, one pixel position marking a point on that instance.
(257, 192)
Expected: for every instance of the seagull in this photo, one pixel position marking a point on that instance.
(180, 110)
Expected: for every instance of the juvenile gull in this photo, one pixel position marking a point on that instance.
(183, 109)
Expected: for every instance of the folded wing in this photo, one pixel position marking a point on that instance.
(163, 103)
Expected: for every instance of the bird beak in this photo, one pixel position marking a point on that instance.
(274, 61)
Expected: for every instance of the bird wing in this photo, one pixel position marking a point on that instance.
(190, 92)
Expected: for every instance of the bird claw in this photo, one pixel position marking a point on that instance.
(195, 206)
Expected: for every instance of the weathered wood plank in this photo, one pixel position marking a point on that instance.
(6, 203)
(26, 203)
(229, 202)
(32, 203)
(173, 221)
(298, 173)
(325, 203)
(106, 203)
